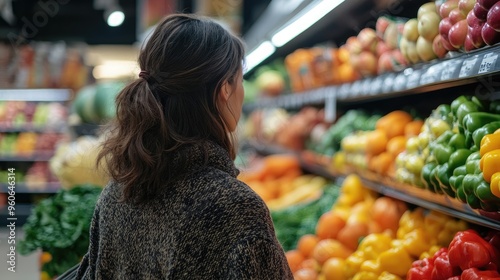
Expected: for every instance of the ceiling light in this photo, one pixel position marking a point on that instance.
(114, 17)
(299, 25)
(258, 55)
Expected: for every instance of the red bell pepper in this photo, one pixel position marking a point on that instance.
(493, 237)
(421, 269)
(454, 278)
(476, 274)
(442, 267)
(468, 249)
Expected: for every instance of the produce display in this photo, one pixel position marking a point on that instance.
(364, 236)
(74, 163)
(32, 115)
(59, 227)
(95, 104)
(35, 176)
(26, 144)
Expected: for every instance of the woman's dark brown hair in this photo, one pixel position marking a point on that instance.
(185, 63)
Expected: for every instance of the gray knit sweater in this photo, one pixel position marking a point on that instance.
(206, 226)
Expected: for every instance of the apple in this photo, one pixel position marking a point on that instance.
(479, 11)
(487, 4)
(424, 49)
(444, 27)
(403, 47)
(474, 33)
(366, 64)
(468, 46)
(411, 52)
(410, 30)
(456, 15)
(466, 5)
(457, 33)
(353, 45)
(493, 18)
(391, 36)
(426, 8)
(385, 63)
(381, 26)
(446, 7)
(382, 48)
(368, 39)
(472, 19)
(438, 48)
(398, 58)
(490, 35)
(428, 26)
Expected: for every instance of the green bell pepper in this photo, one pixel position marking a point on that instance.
(460, 171)
(486, 129)
(456, 183)
(443, 174)
(472, 163)
(444, 112)
(466, 108)
(469, 184)
(483, 192)
(457, 102)
(461, 196)
(494, 107)
(434, 180)
(444, 138)
(442, 153)
(425, 175)
(458, 158)
(457, 141)
(473, 121)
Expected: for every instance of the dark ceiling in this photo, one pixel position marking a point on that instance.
(78, 21)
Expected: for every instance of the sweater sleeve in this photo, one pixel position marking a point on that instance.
(258, 259)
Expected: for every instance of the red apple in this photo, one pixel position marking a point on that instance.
(438, 48)
(490, 35)
(493, 18)
(456, 15)
(457, 33)
(480, 12)
(475, 34)
(468, 46)
(368, 39)
(466, 6)
(444, 27)
(381, 25)
(487, 4)
(382, 48)
(446, 7)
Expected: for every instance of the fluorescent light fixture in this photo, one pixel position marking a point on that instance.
(258, 55)
(305, 21)
(115, 69)
(115, 18)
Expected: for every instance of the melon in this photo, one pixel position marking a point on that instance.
(104, 99)
(83, 105)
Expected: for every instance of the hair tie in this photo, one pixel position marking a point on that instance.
(144, 74)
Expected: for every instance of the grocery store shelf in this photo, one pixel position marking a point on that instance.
(36, 156)
(475, 67)
(31, 128)
(51, 187)
(388, 187)
(49, 95)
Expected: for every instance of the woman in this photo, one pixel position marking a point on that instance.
(174, 208)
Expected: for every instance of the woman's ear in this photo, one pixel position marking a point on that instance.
(225, 91)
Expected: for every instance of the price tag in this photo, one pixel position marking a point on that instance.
(413, 80)
(388, 83)
(400, 82)
(356, 88)
(431, 75)
(488, 63)
(449, 69)
(468, 66)
(330, 107)
(367, 83)
(343, 91)
(376, 85)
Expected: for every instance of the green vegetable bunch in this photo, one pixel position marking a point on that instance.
(60, 226)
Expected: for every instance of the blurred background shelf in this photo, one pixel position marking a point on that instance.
(21, 187)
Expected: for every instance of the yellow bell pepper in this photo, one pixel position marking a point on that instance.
(365, 275)
(434, 223)
(374, 244)
(495, 184)
(352, 191)
(388, 276)
(353, 263)
(489, 143)
(490, 164)
(371, 266)
(429, 252)
(409, 221)
(415, 242)
(396, 261)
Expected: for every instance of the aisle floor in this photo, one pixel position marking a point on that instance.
(26, 266)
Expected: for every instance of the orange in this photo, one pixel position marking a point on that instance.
(377, 142)
(310, 263)
(330, 248)
(294, 258)
(333, 269)
(305, 274)
(307, 243)
(396, 145)
(413, 128)
(351, 234)
(329, 225)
